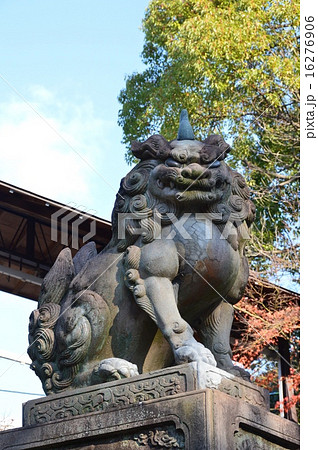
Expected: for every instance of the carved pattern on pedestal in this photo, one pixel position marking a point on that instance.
(157, 438)
(104, 398)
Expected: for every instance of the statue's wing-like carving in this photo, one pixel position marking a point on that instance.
(57, 280)
(85, 253)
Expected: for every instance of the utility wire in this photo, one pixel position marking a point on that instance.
(20, 392)
(14, 359)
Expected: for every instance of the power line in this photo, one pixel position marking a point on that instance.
(19, 392)
(16, 358)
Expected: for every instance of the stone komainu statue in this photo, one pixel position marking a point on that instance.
(172, 270)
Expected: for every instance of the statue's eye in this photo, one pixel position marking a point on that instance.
(170, 162)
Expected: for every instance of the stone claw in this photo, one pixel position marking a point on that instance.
(115, 369)
(194, 351)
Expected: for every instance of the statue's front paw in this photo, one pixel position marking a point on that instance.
(115, 369)
(194, 351)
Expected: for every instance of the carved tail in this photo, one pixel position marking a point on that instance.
(59, 338)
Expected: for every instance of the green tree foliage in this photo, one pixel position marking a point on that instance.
(234, 64)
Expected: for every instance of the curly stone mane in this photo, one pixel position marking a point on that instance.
(138, 207)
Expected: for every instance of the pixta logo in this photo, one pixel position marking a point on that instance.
(72, 216)
(133, 224)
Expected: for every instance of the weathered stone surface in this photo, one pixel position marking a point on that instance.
(241, 426)
(123, 393)
(205, 419)
(175, 263)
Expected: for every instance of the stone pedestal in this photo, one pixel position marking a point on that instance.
(192, 406)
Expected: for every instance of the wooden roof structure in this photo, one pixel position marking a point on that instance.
(33, 231)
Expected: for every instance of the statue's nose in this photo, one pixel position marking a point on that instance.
(195, 171)
(180, 155)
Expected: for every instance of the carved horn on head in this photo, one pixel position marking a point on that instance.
(185, 131)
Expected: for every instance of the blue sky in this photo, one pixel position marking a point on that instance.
(68, 61)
